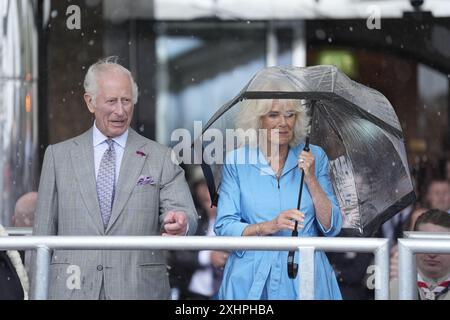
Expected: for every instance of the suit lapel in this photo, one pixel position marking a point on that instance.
(82, 155)
(130, 169)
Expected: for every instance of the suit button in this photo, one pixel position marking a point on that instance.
(99, 267)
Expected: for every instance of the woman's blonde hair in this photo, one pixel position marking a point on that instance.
(249, 117)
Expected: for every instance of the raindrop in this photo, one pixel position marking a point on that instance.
(396, 190)
(393, 164)
(95, 31)
(401, 46)
(91, 42)
(439, 113)
(320, 34)
(141, 128)
(8, 278)
(82, 34)
(72, 92)
(14, 182)
(64, 99)
(42, 146)
(192, 79)
(83, 67)
(388, 39)
(350, 28)
(54, 13)
(129, 43)
(424, 106)
(20, 141)
(330, 40)
(248, 21)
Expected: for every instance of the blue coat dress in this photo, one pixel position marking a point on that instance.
(250, 193)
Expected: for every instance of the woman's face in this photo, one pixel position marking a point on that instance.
(279, 122)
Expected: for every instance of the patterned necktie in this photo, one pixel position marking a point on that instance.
(106, 181)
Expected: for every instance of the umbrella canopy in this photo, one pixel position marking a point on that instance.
(355, 125)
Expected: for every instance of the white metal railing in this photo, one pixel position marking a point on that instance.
(417, 242)
(306, 247)
(15, 231)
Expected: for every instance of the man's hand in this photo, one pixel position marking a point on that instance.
(175, 223)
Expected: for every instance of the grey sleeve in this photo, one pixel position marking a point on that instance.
(175, 193)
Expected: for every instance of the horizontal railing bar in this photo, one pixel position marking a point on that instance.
(16, 231)
(426, 245)
(426, 235)
(190, 243)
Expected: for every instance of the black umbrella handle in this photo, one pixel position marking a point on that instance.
(293, 267)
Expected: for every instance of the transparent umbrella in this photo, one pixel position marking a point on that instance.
(355, 125)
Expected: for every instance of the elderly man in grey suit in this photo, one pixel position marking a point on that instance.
(111, 181)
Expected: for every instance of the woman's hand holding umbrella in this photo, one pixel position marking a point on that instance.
(306, 162)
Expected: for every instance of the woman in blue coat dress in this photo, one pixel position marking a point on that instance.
(258, 197)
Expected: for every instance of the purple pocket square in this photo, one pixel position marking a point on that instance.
(143, 180)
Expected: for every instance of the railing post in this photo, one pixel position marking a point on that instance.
(43, 257)
(407, 273)
(306, 273)
(382, 272)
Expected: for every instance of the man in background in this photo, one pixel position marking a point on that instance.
(433, 278)
(14, 283)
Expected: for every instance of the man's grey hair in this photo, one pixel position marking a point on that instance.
(90, 80)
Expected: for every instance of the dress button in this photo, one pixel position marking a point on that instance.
(99, 267)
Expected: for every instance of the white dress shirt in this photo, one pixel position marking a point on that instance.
(100, 146)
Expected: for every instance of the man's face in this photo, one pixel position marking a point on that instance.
(433, 265)
(113, 106)
(438, 195)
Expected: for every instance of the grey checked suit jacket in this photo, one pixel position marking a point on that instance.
(68, 205)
